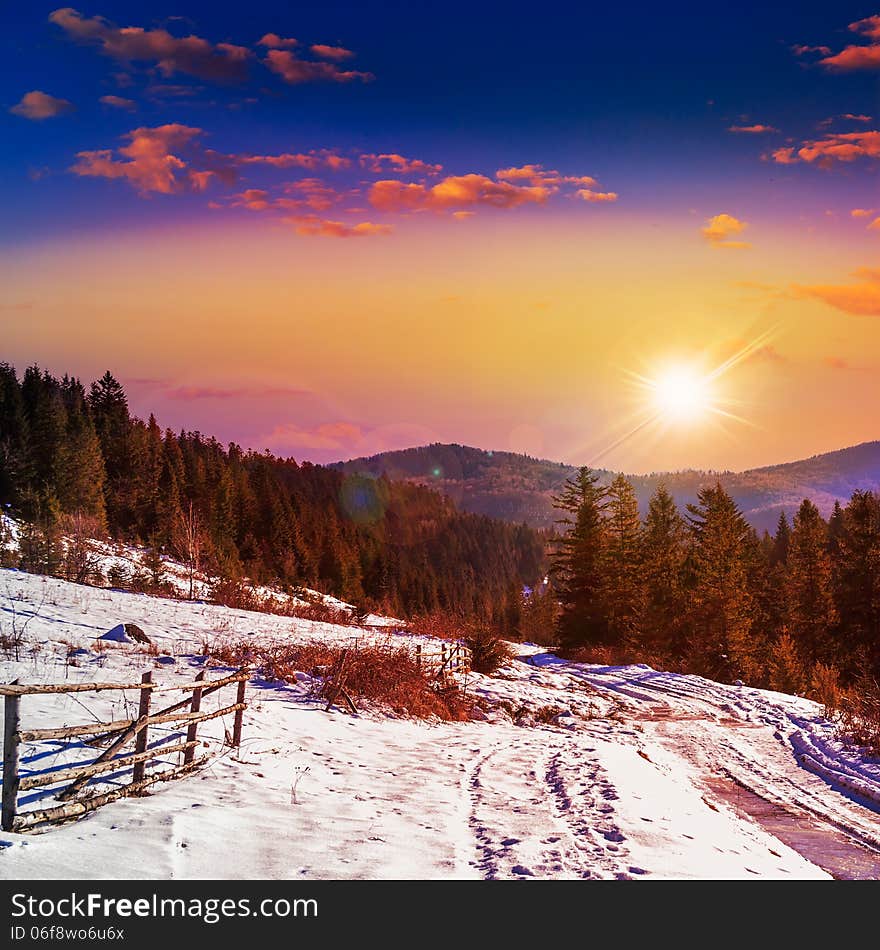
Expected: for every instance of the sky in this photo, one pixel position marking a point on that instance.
(645, 239)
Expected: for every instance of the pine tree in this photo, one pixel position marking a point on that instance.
(858, 577)
(781, 542)
(811, 612)
(624, 592)
(720, 601)
(578, 562)
(664, 558)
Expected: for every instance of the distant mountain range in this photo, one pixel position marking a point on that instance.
(520, 488)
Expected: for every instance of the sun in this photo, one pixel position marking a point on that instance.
(681, 395)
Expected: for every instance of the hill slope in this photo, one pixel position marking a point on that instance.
(520, 488)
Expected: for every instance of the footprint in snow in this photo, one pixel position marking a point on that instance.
(524, 871)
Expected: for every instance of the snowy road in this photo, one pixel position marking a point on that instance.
(575, 771)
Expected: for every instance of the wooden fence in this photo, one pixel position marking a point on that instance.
(118, 734)
(452, 657)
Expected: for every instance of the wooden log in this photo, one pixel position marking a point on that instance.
(11, 740)
(140, 767)
(67, 732)
(15, 689)
(195, 706)
(239, 713)
(96, 768)
(75, 809)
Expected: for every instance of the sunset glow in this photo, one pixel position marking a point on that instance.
(298, 231)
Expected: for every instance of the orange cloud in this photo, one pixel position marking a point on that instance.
(294, 70)
(539, 176)
(840, 147)
(313, 226)
(862, 212)
(316, 158)
(117, 102)
(274, 41)
(858, 57)
(38, 105)
(597, 196)
(803, 50)
(336, 53)
(154, 163)
(456, 192)
(719, 229)
(398, 164)
(221, 62)
(862, 298)
(753, 129)
(874, 225)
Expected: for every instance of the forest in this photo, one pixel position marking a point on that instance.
(701, 591)
(75, 463)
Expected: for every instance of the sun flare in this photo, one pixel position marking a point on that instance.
(681, 395)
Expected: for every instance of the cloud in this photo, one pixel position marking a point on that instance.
(313, 226)
(336, 53)
(804, 50)
(753, 129)
(874, 225)
(398, 164)
(166, 159)
(328, 435)
(862, 212)
(40, 105)
(853, 58)
(196, 393)
(274, 41)
(118, 102)
(315, 159)
(838, 147)
(719, 229)
(597, 196)
(542, 177)
(861, 298)
(456, 192)
(192, 55)
(294, 70)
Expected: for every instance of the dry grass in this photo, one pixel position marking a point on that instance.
(383, 674)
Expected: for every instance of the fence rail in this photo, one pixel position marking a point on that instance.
(452, 657)
(119, 733)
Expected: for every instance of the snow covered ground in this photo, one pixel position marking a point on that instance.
(573, 771)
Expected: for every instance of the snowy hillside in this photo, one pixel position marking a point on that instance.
(571, 771)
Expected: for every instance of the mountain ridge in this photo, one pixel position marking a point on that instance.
(519, 487)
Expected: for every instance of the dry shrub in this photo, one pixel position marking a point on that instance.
(547, 714)
(489, 651)
(825, 688)
(859, 714)
(600, 655)
(383, 674)
(439, 624)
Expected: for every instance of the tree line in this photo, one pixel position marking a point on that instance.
(75, 463)
(701, 591)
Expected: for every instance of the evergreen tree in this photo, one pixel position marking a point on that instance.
(781, 542)
(624, 587)
(578, 562)
(720, 601)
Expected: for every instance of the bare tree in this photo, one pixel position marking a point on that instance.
(187, 540)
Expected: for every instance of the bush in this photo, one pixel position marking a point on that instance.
(383, 674)
(488, 651)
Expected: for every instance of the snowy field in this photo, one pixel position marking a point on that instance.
(572, 771)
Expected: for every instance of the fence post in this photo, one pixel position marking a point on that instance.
(419, 656)
(239, 714)
(140, 745)
(195, 706)
(10, 759)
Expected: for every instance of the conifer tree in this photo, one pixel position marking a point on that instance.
(578, 562)
(624, 586)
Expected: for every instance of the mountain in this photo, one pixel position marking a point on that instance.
(520, 488)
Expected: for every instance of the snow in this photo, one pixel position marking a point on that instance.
(572, 771)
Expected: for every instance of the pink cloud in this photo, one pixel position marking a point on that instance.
(398, 164)
(313, 226)
(38, 105)
(118, 102)
(334, 436)
(803, 50)
(274, 41)
(153, 161)
(861, 298)
(853, 57)
(316, 158)
(294, 70)
(336, 53)
(757, 129)
(839, 147)
(220, 62)
(597, 196)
